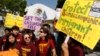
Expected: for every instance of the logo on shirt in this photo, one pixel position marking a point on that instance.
(42, 47)
(25, 51)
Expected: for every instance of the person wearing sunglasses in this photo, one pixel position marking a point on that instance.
(45, 45)
(28, 48)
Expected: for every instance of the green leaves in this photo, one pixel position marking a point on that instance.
(14, 5)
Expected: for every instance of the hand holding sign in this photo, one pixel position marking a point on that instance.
(65, 47)
(76, 22)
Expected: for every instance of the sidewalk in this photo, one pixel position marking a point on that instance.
(93, 54)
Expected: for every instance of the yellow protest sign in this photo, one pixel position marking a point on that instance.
(76, 21)
(12, 52)
(12, 20)
(9, 20)
(19, 21)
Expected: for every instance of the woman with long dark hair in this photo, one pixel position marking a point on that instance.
(3, 39)
(28, 48)
(11, 45)
(32, 35)
(10, 42)
(46, 45)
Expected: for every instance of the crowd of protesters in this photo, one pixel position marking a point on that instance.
(47, 44)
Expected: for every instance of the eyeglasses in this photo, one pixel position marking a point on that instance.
(27, 37)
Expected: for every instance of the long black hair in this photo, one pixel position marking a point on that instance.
(33, 38)
(28, 31)
(9, 44)
(45, 30)
(75, 43)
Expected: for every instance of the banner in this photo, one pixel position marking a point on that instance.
(77, 22)
(13, 52)
(32, 22)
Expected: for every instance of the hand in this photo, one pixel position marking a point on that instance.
(65, 49)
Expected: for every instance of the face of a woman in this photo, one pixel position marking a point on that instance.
(11, 39)
(41, 33)
(27, 38)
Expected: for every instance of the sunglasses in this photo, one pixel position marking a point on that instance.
(27, 37)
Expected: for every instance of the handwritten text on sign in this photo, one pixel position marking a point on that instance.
(76, 22)
(32, 22)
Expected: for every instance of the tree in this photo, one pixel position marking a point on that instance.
(14, 5)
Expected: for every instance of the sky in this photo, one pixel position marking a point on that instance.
(50, 3)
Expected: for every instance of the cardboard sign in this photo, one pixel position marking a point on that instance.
(76, 22)
(19, 21)
(9, 20)
(32, 22)
(12, 20)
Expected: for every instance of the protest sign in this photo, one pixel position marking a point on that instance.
(32, 22)
(12, 20)
(76, 22)
(9, 20)
(12, 52)
(19, 21)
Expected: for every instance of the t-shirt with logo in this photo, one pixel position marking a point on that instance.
(44, 46)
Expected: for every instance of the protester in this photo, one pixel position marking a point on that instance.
(15, 31)
(28, 48)
(11, 42)
(47, 26)
(74, 48)
(60, 40)
(7, 31)
(55, 31)
(3, 39)
(32, 35)
(46, 45)
(59, 37)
